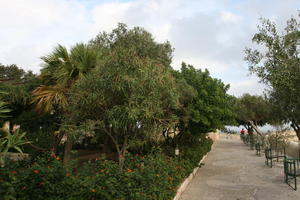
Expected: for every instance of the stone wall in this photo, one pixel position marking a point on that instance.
(292, 149)
(214, 136)
(15, 156)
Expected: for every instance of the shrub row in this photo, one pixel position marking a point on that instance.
(150, 177)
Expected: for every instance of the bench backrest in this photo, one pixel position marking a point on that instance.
(274, 153)
(291, 166)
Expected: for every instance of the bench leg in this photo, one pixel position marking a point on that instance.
(295, 182)
(271, 163)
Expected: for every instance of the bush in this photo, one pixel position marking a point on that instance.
(149, 177)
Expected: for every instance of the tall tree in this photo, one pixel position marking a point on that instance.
(131, 93)
(211, 108)
(61, 70)
(277, 64)
(253, 111)
(17, 85)
(11, 73)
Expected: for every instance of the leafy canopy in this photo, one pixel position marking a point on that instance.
(277, 65)
(253, 111)
(211, 108)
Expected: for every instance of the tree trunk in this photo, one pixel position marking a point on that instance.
(255, 128)
(298, 134)
(57, 142)
(296, 129)
(67, 150)
(121, 160)
(122, 153)
(121, 150)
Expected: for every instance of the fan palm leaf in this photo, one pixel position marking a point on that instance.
(47, 97)
(61, 69)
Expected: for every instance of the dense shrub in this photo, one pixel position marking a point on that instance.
(148, 177)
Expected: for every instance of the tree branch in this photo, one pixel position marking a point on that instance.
(255, 128)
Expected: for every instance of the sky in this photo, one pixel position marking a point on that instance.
(208, 34)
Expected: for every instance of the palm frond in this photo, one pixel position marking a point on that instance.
(4, 110)
(46, 97)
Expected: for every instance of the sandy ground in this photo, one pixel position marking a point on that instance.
(233, 172)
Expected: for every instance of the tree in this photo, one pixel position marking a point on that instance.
(253, 111)
(61, 70)
(277, 65)
(138, 39)
(130, 94)
(11, 73)
(211, 107)
(16, 85)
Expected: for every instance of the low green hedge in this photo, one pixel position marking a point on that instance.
(150, 177)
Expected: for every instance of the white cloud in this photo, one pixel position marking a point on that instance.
(249, 85)
(207, 34)
(154, 15)
(31, 28)
(227, 16)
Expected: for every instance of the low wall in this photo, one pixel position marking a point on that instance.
(15, 156)
(214, 136)
(292, 149)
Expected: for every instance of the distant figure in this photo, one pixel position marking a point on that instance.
(242, 131)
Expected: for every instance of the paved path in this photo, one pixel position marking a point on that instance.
(233, 172)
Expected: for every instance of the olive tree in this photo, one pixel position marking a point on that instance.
(253, 111)
(277, 64)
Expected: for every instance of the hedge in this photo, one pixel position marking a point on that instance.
(155, 176)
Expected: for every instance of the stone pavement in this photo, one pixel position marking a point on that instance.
(232, 171)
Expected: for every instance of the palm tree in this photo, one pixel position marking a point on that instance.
(62, 68)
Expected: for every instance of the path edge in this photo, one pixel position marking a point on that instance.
(186, 182)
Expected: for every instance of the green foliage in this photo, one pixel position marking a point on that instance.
(150, 177)
(17, 91)
(131, 93)
(251, 108)
(62, 68)
(12, 140)
(3, 109)
(277, 65)
(211, 108)
(138, 40)
(11, 73)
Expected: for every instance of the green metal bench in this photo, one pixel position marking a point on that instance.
(271, 154)
(258, 148)
(252, 142)
(247, 139)
(260, 143)
(291, 170)
(244, 138)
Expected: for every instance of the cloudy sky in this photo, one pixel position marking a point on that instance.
(207, 34)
